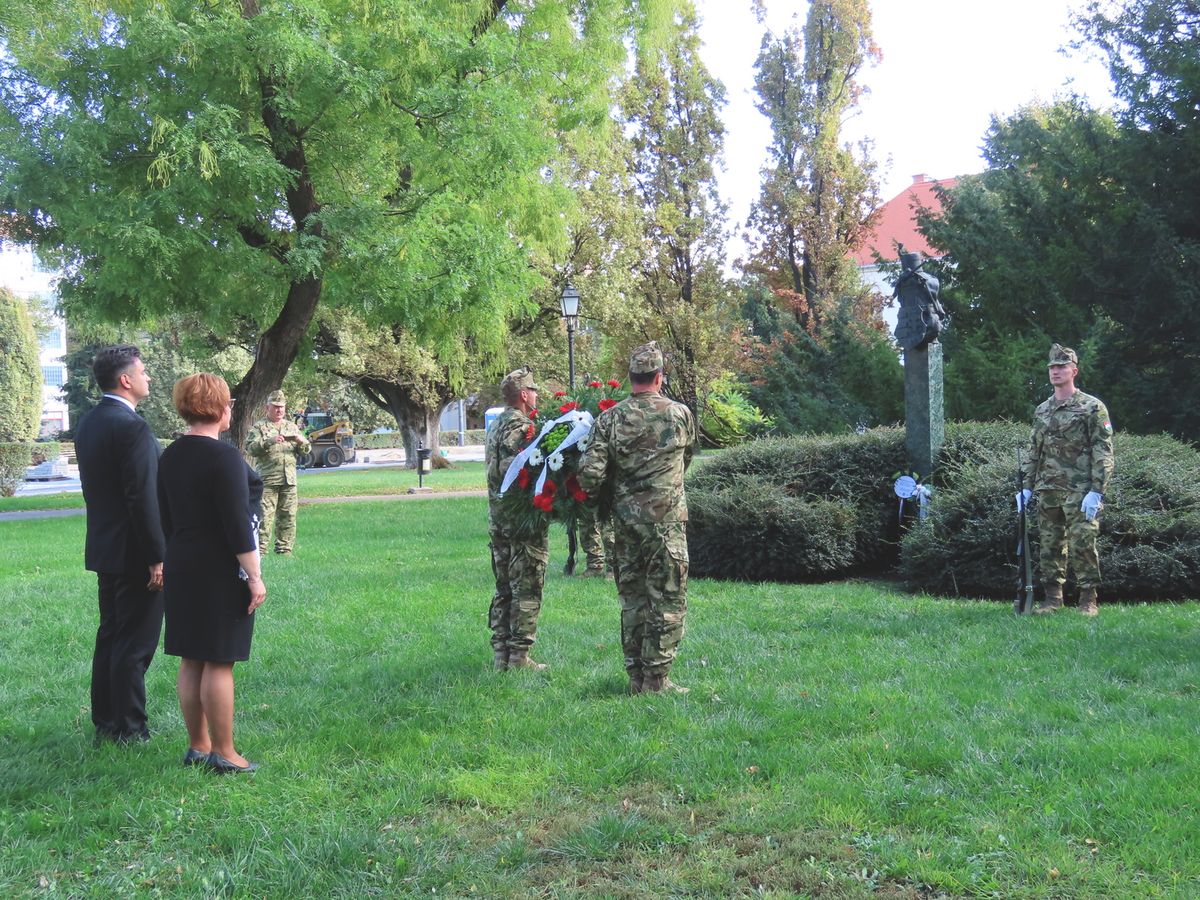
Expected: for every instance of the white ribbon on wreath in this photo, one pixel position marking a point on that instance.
(580, 421)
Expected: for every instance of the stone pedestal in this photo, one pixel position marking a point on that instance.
(924, 410)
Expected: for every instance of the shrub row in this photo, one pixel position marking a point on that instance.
(806, 508)
(15, 458)
(394, 439)
(1149, 541)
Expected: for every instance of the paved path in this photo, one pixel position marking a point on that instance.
(20, 514)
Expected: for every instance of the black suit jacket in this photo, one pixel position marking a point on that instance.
(118, 467)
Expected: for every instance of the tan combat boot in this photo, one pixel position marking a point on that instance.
(655, 684)
(500, 658)
(1087, 602)
(1053, 601)
(519, 659)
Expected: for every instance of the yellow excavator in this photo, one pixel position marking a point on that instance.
(332, 440)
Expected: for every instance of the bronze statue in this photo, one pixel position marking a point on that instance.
(922, 317)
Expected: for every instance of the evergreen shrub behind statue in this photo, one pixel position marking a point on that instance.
(817, 508)
(1149, 537)
(797, 508)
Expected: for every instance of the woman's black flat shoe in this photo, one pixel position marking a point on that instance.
(194, 757)
(222, 766)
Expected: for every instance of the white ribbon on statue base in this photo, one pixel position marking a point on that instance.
(580, 421)
(907, 488)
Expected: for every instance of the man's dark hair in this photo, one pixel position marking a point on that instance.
(641, 379)
(111, 362)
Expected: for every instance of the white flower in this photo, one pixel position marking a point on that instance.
(556, 461)
(535, 457)
(584, 443)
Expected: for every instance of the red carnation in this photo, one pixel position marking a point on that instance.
(529, 433)
(560, 393)
(607, 404)
(523, 478)
(567, 407)
(613, 383)
(532, 415)
(593, 384)
(576, 490)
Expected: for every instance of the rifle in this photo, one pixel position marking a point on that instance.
(1023, 604)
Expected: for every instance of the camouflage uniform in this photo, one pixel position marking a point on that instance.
(596, 537)
(276, 464)
(639, 451)
(518, 557)
(1070, 454)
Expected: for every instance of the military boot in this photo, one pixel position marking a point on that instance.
(635, 681)
(1053, 601)
(593, 571)
(519, 659)
(1087, 602)
(500, 658)
(655, 684)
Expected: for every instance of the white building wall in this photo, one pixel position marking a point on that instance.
(23, 274)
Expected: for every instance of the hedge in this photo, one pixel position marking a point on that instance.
(395, 439)
(15, 458)
(1149, 541)
(806, 508)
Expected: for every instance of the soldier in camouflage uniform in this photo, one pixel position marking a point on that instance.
(1068, 466)
(596, 538)
(519, 557)
(639, 451)
(274, 443)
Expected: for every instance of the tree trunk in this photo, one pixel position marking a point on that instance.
(417, 423)
(280, 343)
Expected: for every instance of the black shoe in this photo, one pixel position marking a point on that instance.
(222, 766)
(194, 757)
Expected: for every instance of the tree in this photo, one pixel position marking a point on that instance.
(818, 197)
(247, 162)
(20, 372)
(671, 110)
(1081, 231)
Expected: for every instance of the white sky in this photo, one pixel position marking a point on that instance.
(947, 66)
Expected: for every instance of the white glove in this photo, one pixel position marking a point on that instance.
(1023, 497)
(1091, 505)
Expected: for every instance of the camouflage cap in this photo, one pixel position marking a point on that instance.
(1062, 356)
(276, 398)
(519, 380)
(646, 358)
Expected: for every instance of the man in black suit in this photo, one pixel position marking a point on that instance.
(118, 467)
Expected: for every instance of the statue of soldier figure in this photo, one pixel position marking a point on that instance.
(922, 317)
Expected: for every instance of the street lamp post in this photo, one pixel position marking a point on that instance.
(570, 314)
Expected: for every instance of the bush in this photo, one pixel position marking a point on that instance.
(45, 450)
(796, 509)
(15, 457)
(825, 503)
(20, 371)
(395, 439)
(1149, 541)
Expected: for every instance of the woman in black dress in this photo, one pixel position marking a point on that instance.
(212, 581)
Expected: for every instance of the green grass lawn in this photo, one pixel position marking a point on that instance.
(841, 740)
(379, 480)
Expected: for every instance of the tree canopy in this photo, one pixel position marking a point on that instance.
(1084, 231)
(249, 161)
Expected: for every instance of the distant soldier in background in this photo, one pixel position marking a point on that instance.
(519, 554)
(275, 444)
(639, 451)
(1068, 466)
(596, 538)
